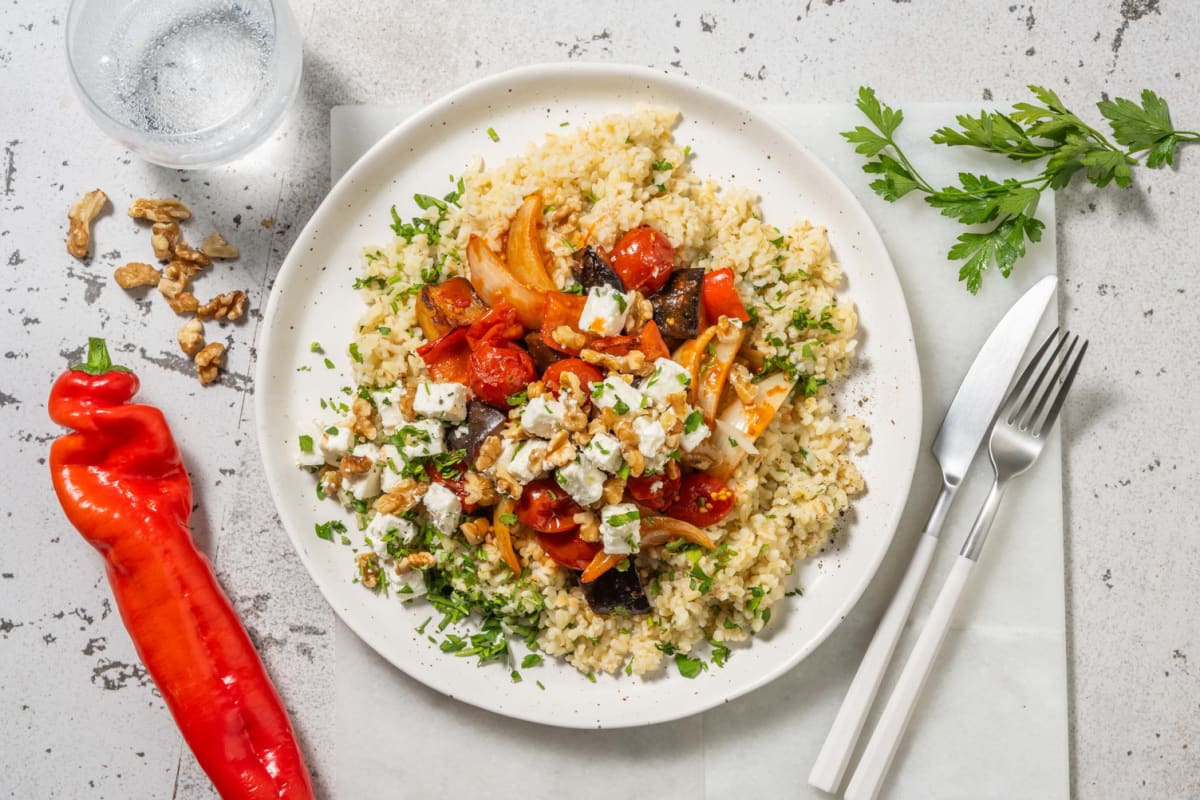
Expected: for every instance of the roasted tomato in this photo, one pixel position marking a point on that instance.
(499, 325)
(448, 358)
(719, 297)
(569, 551)
(453, 482)
(498, 371)
(562, 309)
(546, 508)
(643, 258)
(648, 340)
(656, 492)
(703, 500)
(586, 373)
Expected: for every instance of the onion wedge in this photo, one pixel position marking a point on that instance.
(660, 530)
(524, 247)
(714, 364)
(494, 283)
(505, 509)
(600, 564)
(740, 424)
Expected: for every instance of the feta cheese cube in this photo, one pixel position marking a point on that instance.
(582, 480)
(387, 402)
(618, 395)
(621, 528)
(604, 312)
(517, 458)
(542, 417)
(390, 464)
(444, 401)
(422, 438)
(651, 436)
(313, 457)
(335, 442)
(384, 528)
(669, 377)
(406, 585)
(444, 508)
(694, 431)
(604, 451)
(364, 485)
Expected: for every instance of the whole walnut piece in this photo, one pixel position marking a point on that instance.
(187, 255)
(230, 305)
(191, 336)
(163, 238)
(135, 274)
(208, 362)
(163, 210)
(80, 217)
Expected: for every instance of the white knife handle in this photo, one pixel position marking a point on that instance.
(868, 776)
(839, 745)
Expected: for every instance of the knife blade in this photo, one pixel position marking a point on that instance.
(954, 447)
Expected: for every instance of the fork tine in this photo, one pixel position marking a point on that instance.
(1030, 422)
(1064, 387)
(1036, 388)
(1014, 395)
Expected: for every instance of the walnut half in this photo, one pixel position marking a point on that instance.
(208, 362)
(165, 210)
(135, 274)
(231, 306)
(80, 217)
(191, 336)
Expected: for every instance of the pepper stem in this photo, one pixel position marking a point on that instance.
(98, 361)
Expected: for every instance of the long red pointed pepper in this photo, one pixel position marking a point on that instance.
(122, 483)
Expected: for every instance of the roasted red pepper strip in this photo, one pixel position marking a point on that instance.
(122, 484)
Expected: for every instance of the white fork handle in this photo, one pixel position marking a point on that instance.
(872, 769)
(839, 745)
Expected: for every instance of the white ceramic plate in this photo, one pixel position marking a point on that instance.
(312, 300)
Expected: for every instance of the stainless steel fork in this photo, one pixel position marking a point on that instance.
(1017, 438)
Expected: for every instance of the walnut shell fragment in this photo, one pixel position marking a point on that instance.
(80, 217)
(136, 274)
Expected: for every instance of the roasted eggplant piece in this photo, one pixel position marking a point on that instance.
(444, 306)
(594, 271)
(617, 591)
(677, 305)
(482, 422)
(543, 354)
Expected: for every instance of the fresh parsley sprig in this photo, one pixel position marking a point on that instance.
(1044, 131)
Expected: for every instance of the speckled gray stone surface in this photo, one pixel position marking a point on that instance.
(80, 717)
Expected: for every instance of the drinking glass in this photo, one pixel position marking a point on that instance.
(185, 83)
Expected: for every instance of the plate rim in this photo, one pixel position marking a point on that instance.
(293, 263)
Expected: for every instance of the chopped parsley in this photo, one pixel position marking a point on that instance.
(518, 398)
(617, 520)
(720, 653)
(693, 421)
(326, 530)
(329, 364)
(531, 660)
(491, 132)
(315, 347)
(509, 519)
(689, 667)
(306, 444)
(662, 165)
(622, 303)
(812, 385)
(357, 356)
(621, 407)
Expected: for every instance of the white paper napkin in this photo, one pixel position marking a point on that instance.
(992, 722)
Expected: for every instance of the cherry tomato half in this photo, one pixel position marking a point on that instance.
(643, 258)
(719, 297)
(499, 325)
(546, 508)
(447, 357)
(569, 551)
(703, 500)
(586, 373)
(498, 371)
(656, 492)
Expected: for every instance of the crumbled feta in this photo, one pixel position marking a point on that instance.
(669, 377)
(582, 480)
(656, 464)
(313, 457)
(621, 528)
(618, 395)
(444, 507)
(335, 443)
(694, 431)
(387, 402)
(542, 417)
(444, 401)
(390, 464)
(364, 485)
(422, 438)
(385, 528)
(517, 458)
(605, 311)
(651, 436)
(604, 451)
(406, 585)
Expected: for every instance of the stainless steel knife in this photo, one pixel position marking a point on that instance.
(962, 431)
